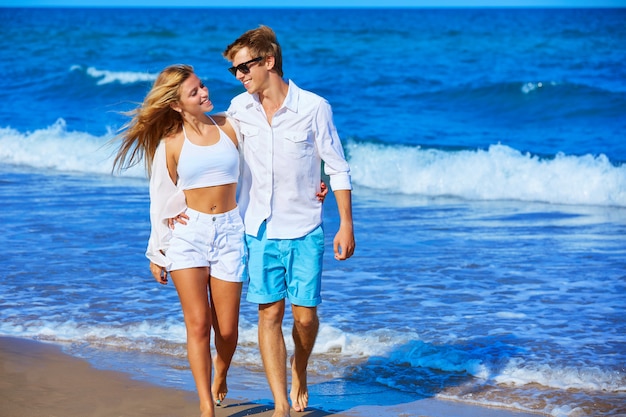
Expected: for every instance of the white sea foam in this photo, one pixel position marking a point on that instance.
(499, 173)
(145, 334)
(529, 87)
(59, 149)
(122, 77)
(520, 372)
(385, 346)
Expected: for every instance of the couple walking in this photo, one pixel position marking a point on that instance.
(237, 196)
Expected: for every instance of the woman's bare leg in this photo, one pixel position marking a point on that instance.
(192, 287)
(225, 300)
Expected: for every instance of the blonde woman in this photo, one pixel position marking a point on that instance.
(193, 163)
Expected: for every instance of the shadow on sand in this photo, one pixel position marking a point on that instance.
(261, 410)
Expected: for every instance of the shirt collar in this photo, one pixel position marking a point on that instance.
(291, 101)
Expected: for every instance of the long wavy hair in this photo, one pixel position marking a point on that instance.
(153, 120)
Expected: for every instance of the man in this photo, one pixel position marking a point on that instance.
(286, 133)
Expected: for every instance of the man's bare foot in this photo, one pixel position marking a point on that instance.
(299, 393)
(219, 389)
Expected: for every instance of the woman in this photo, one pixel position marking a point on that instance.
(193, 163)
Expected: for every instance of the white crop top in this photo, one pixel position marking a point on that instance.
(207, 166)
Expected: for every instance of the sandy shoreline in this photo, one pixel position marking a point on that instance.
(38, 379)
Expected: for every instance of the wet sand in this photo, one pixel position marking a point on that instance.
(38, 379)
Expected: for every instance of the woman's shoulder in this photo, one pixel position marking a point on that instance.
(173, 144)
(173, 138)
(221, 120)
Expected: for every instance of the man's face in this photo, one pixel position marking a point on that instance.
(248, 69)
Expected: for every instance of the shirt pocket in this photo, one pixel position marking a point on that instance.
(297, 144)
(250, 137)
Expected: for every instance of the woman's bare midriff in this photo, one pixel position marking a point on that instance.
(212, 200)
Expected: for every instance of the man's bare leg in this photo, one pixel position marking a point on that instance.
(305, 328)
(274, 354)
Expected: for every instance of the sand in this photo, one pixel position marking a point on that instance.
(39, 380)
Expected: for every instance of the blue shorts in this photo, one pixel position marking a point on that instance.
(285, 268)
(215, 241)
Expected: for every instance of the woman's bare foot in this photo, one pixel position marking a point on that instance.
(207, 412)
(280, 414)
(299, 393)
(219, 389)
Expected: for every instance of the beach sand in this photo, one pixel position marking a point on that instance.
(38, 379)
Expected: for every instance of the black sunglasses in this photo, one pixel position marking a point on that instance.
(244, 67)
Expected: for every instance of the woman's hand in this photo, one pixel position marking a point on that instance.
(181, 218)
(159, 273)
(323, 191)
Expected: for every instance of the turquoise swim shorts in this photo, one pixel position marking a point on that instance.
(285, 268)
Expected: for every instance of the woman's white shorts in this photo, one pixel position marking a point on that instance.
(210, 240)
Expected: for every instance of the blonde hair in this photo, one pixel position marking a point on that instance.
(261, 41)
(153, 120)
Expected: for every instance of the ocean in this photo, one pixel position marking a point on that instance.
(488, 157)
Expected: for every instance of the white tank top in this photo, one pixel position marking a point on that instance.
(207, 166)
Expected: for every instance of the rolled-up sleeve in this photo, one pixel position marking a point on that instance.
(330, 149)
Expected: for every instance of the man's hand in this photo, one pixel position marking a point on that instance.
(181, 218)
(344, 243)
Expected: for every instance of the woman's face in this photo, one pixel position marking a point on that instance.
(194, 96)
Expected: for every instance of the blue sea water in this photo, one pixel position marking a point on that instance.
(488, 157)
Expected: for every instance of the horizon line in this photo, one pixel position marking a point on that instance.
(88, 6)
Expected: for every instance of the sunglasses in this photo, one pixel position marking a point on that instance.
(244, 67)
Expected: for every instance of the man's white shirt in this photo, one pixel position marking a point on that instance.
(281, 166)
